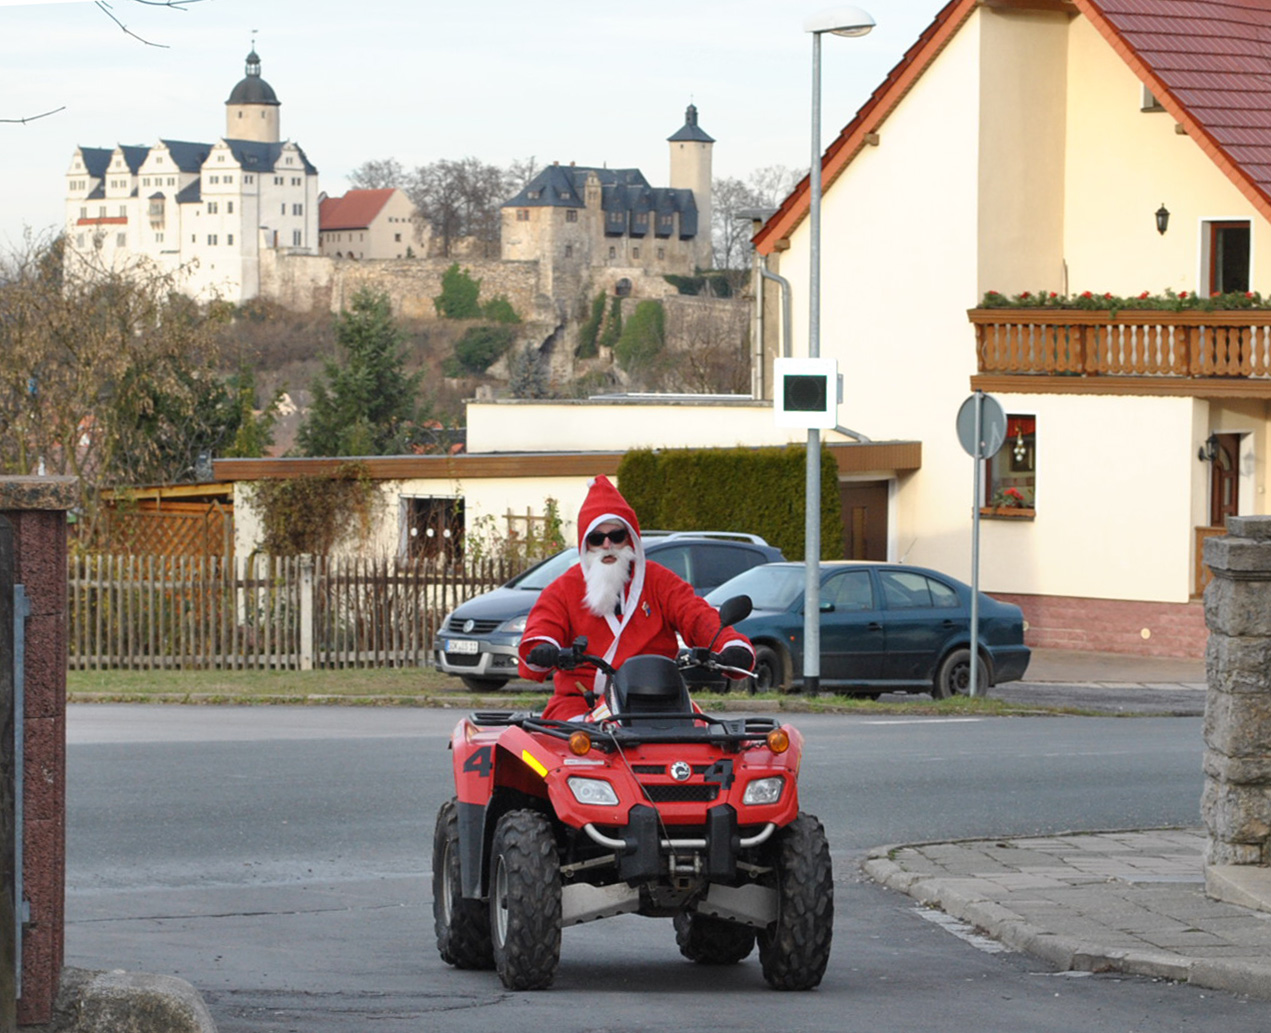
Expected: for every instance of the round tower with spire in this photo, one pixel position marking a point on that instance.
(251, 113)
(691, 170)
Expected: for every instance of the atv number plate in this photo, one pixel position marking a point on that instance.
(462, 645)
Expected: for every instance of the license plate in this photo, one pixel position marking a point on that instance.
(461, 645)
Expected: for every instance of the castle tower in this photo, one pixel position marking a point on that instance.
(251, 113)
(691, 170)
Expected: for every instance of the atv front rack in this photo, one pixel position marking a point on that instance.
(630, 729)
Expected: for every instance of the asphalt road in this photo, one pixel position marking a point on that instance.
(277, 858)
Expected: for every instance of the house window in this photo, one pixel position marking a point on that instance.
(571, 214)
(296, 181)
(283, 208)
(297, 209)
(229, 207)
(211, 238)
(229, 239)
(249, 179)
(661, 252)
(211, 208)
(1228, 246)
(121, 239)
(158, 238)
(635, 252)
(569, 250)
(278, 180)
(123, 211)
(522, 215)
(295, 238)
(83, 212)
(1011, 475)
(397, 238)
(613, 252)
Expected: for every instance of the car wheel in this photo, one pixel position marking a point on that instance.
(525, 901)
(462, 926)
(483, 684)
(954, 676)
(769, 671)
(795, 949)
(712, 941)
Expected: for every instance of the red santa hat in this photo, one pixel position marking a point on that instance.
(604, 502)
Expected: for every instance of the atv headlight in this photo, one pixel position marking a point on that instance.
(593, 792)
(763, 790)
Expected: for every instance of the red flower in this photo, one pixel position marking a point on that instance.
(1026, 294)
(1182, 294)
(1108, 295)
(1248, 294)
(1086, 294)
(1215, 294)
(1143, 296)
(1053, 294)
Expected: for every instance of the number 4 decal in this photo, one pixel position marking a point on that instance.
(481, 761)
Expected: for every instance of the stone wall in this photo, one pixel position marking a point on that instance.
(1236, 803)
(308, 282)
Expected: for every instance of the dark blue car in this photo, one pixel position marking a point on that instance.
(885, 627)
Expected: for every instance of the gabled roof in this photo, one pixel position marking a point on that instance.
(96, 160)
(1204, 60)
(189, 156)
(259, 156)
(561, 186)
(356, 210)
(134, 156)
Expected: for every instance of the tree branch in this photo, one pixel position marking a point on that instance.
(32, 118)
(177, 5)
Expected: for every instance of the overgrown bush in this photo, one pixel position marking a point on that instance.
(642, 336)
(479, 349)
(459, 294)
(590, 331)
(499, 310)
(310, 514)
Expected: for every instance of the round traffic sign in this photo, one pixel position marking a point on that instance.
(992, 425)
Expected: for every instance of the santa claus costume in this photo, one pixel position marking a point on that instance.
(654, 604)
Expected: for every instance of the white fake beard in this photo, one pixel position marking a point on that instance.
(605, 581)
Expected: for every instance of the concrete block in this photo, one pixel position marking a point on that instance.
(131, 1002)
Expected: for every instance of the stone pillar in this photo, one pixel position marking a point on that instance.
(1236, 803)
(36, 507)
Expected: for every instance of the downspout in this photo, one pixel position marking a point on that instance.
(787, 333)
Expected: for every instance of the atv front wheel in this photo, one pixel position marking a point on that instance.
(795, 949)
(462, 926)
(525, 900)
(712, 941)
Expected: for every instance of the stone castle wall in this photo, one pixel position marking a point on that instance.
(312, 282)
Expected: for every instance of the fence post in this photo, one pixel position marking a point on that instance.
(10, 926)
(307, 610)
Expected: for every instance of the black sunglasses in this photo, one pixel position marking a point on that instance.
(597, 538)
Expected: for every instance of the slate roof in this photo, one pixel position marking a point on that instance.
(257, 156)
(96, 159)
(189, 156)
(356, 210)
(690, 130)
(1208, 62)
(134, 155)
(622, 191)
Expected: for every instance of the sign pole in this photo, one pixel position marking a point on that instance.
(976, 462)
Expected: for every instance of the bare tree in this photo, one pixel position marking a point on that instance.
(460, 199)
(378, 175)
(731, 233)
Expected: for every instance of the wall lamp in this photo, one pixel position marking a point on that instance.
(1162, 219)
(1209, 450)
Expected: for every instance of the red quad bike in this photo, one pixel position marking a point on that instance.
(652, 808)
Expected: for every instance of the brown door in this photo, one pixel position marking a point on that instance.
(864, 506)
(1224, 493)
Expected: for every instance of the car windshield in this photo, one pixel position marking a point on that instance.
(769, 587)
(537, 578)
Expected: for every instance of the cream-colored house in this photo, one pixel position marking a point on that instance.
(366, 224)
(1102, 146)
(200, 211)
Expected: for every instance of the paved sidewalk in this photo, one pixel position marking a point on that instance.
(1114, 901)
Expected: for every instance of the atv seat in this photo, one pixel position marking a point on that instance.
(650, 691)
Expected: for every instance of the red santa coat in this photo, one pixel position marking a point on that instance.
(666, 604)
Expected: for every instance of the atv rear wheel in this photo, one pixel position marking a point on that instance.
(795, 949)
(462, 926)
(525, 900)
(712, 941)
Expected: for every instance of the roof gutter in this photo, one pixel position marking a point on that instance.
(757, 365)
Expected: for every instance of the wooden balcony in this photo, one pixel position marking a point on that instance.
(1224, 354)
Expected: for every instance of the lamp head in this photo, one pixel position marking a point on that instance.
(840, 21)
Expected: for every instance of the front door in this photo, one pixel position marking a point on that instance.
(1224, 485)
(864, 505)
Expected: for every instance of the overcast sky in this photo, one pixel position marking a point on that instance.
(419, 80)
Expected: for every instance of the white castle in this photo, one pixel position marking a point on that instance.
(202, 211)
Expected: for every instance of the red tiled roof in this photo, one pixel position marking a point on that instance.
(1208, 62)
(356, 210)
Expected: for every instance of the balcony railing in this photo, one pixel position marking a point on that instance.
(1137, 343)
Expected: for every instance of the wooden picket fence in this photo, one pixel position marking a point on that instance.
(297, 612)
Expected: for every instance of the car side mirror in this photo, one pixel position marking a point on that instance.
(827, 607)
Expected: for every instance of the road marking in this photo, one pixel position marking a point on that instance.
(925, 721)
(962, 931)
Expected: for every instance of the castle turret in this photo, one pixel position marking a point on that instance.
(251, 113)
(691, 170)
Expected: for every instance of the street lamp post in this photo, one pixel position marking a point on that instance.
(838, 21)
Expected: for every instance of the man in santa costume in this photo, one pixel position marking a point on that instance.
(624, 604)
